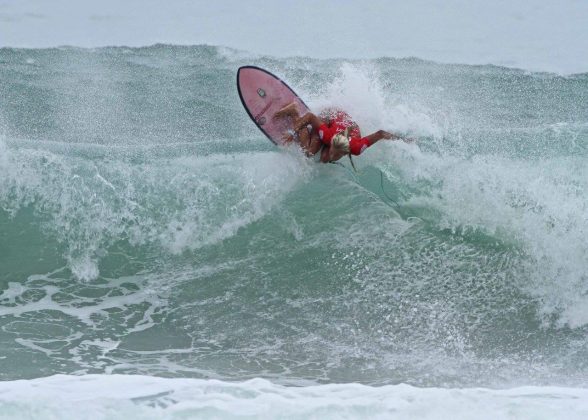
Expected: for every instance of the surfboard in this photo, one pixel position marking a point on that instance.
(262, 94)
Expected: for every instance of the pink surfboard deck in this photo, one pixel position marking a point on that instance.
(262, 94)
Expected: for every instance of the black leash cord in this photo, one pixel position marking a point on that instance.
(392, 203)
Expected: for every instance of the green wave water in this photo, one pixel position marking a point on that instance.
(147, 227)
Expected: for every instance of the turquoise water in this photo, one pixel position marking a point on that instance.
(147, 227)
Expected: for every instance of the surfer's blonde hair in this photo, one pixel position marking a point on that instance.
(341, 142)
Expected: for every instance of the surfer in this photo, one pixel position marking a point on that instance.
(334, 129)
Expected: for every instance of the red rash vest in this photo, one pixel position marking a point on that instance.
(338, 121)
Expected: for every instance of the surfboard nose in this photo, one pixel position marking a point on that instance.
(262, 95)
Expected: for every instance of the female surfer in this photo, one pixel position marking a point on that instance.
(334, 129)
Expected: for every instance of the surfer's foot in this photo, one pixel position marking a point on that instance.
(289, 110)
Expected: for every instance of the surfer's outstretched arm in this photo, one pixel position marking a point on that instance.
(385, 135)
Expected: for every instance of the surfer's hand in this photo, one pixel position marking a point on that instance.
(385, 135)
(288, 138)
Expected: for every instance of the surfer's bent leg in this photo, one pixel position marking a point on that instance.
(307, 119)
(304, 138)
(290, 110)
(306, 127)
(315, 144)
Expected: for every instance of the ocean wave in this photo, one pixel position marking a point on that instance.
(148, 227)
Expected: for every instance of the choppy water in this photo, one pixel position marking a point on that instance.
(147, 227)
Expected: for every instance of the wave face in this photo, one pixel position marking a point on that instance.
(147, 227)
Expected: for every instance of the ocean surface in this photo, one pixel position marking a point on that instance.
(159, 257)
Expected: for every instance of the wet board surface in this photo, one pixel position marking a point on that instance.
(262, 94)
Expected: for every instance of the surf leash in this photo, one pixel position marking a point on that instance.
(390, 201)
